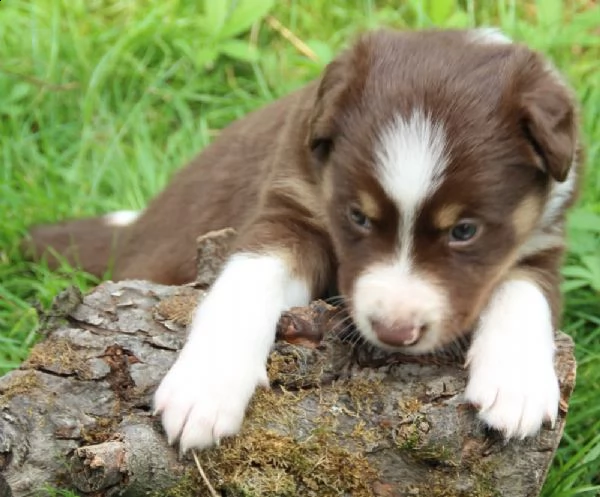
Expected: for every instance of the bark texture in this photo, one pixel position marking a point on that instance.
(339, 419)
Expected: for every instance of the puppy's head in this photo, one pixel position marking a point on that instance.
(440, 156)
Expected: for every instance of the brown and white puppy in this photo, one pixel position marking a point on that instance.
(426, 173)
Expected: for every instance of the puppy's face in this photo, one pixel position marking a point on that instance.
(441, 154)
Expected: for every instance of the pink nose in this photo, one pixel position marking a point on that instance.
(397, 334)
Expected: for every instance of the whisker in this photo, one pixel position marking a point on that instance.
(344, 328)
(344, 320)
(336, 299)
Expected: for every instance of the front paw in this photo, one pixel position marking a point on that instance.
(203, 398)
(514, 393)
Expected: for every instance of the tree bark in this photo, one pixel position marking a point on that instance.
(339, 419)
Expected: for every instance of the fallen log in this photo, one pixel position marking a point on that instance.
(340, 418)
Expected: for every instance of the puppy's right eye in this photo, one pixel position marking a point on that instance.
(464, 232)
(359, 218)
(321, 148)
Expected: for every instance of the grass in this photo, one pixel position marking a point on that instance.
(101, 100)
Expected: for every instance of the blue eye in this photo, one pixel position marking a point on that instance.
(359, 218)
(463, 232)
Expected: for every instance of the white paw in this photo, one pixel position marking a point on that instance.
(514, 392)
(203, 399)
(512, 381)
(204, 396)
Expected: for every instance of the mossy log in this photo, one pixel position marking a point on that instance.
(339, 419)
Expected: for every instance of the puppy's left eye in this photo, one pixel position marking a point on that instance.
(359, 218)
(464, 232)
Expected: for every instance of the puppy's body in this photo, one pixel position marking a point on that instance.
(427, 174)
(221, 187)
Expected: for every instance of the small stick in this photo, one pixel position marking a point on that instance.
(254, 34)
(211, 489)
(40, 82)
(302, 47)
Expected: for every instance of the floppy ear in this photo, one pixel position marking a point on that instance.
(322, 122)
(548, 117)
(340, 85)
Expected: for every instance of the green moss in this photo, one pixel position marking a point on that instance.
(449, 477)
(102, 430)
(408, 434)
(331, 458)
(20, 382)
(484, 482)
(449, 484)
(264, 462)
(361, 392)
(435, 454)
(188, 486)
(267, 464)
(59, 356)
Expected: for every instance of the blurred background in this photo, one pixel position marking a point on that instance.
(101, 100)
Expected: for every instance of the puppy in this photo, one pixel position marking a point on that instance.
(425, 176)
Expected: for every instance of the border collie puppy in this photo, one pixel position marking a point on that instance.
(425, 175)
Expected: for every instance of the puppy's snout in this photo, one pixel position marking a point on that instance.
(398, 310)
(397, 334)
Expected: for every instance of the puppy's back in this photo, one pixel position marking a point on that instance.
(218, 188)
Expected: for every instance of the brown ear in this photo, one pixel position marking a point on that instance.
(549, 117)
(337, 88)
(322, 123)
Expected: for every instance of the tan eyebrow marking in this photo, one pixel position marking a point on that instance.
(369, 205)
(526, 214)
(327, 184)
(447, 216)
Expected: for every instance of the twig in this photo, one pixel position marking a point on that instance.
(254, 31)
(39, 82)
(211, 489)
(302, 47)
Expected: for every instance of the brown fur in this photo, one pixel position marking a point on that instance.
(284, 175)
(86, 243)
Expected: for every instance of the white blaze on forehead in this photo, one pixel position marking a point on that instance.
(411, 160)
(410, 164)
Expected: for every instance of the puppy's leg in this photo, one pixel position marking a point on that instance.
(204, 396)
(512, 378)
